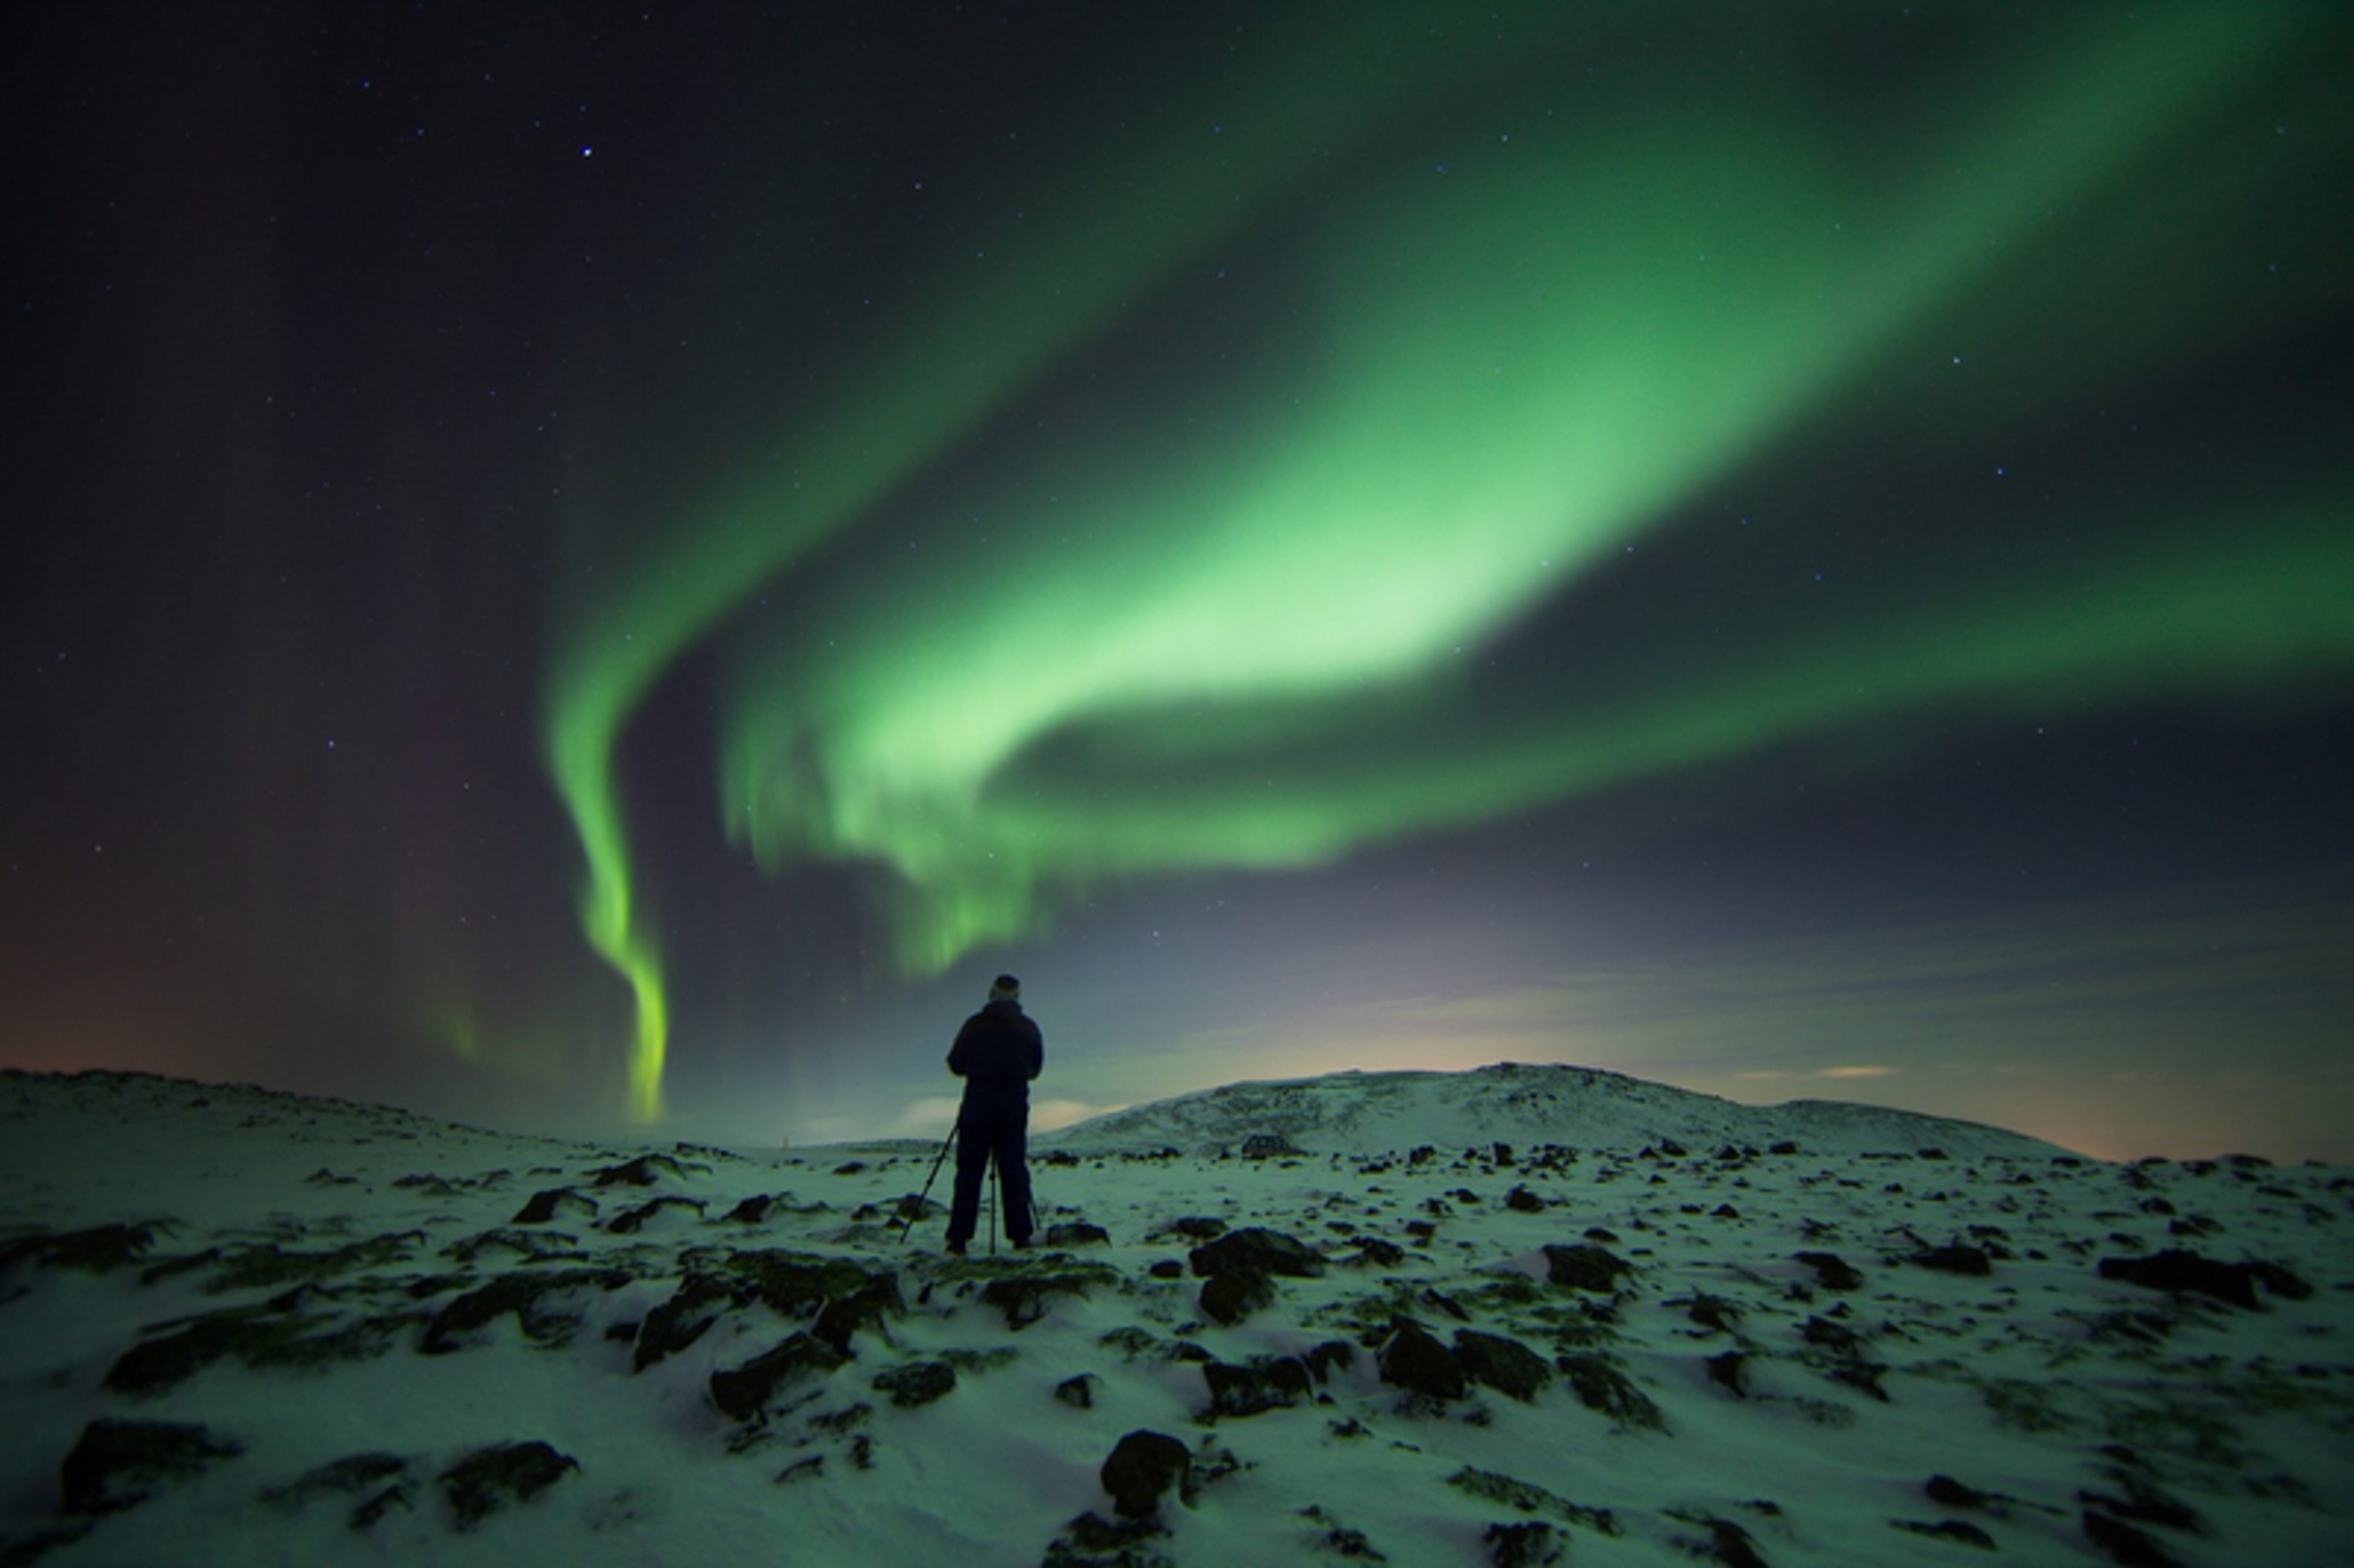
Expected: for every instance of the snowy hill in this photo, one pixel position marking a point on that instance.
(1526, 1106)
(244, 1328)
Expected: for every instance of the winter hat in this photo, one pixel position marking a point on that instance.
(1005, 989)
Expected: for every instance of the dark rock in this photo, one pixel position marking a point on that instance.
(1167, 1268)
(1527, 1497)
(1374, 1252)
(1339, 1540)
(1954, 1494)
(1233, 1295)
(1413, 1361)
(339, 1478)
(1079, 1391)
(1714, 1313)
(2144, 1503)
(645, 1171)
(117, 1465)
(1269, 1145)
(751, 1211)
(1586, 1267)
(543, 1206)
(793, 1285)
(523, 1294)
(1265, 1382)
(1603, 1387)
(99, 1250)
(1195, 1227)
(1863, 1376)
(398, 1495)
(743, 1393)
(1954, 1257)
(1957, 1531)
(917, 1383)
(1522, 1201)
(1504, 1364)
(1832, 1271)
(1090, 1542)
(630, 1222)
(1730, 1544)
(1077, 1233)
(1529, 1545)
(2231, 1282)
(681, 1320)
(488, 1479)
(2124, 1543)
(1837, 1338)
(868, 1307)
(1331, 1356)
(1142, 1467)
(264, 1267)
(1024, 1298)
(1730, 1371)
(276, 1334)
(1269, 1250)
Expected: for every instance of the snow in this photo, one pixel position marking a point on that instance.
(2223, 1433)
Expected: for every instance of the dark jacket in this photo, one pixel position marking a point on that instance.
(997, 1053)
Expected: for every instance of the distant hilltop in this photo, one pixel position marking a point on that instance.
(1523, 1104)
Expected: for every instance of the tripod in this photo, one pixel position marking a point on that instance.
(909, 1210)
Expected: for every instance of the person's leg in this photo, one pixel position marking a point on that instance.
(972, 1162)
(1013, 1169)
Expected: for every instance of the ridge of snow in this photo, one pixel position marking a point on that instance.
(1520, 1103)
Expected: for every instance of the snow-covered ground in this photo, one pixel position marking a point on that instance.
(249, 1327)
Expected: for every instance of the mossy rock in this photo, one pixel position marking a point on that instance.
(917, 1384)
(1490, 1486)
(270, 1266)
(117, 1465)
(1024, 1298)
(525, 1295)
(743, 1393)
(101, 1249)
(1586, 1266)
(256, 1338)
(492, 1478)
(1603, 1387)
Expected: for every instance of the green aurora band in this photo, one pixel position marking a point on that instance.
(1201, 643)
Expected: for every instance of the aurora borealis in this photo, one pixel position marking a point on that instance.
(606, 567)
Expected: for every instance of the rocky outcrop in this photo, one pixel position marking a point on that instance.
(1230, 1297)
(2234, 1284)
(116, 1465)
(1143, 1467)
(1270, 1252)
(497, 1477)
(743, 1393)
(1584, 1267)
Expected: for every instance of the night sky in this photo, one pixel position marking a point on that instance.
(592, 568)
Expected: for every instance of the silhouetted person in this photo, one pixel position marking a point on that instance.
(997, 1053)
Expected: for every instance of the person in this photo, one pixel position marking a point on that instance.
(997, 1053)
